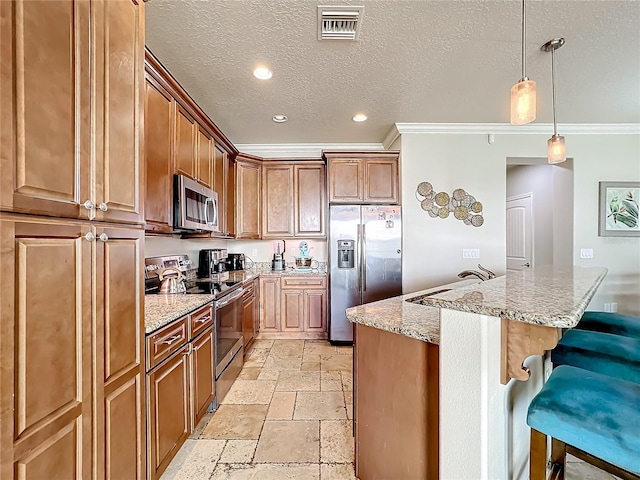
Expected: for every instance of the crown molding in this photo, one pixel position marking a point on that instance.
(301, 150)
(508, 129)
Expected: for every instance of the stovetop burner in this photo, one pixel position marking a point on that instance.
(208, 287)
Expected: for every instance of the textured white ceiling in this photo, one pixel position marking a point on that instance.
(446, 61)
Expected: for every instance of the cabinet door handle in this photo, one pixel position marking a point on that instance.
(103, 237)
(90, 237)
(103, 206)
(89, 205)
(203, 319)
(171, 340)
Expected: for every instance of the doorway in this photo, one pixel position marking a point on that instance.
(549, 188)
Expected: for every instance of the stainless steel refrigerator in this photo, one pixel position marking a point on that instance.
(365, 260)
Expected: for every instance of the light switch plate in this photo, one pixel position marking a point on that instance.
(586, 253)
(470, 253)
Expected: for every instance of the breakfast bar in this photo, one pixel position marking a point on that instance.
(471, 359)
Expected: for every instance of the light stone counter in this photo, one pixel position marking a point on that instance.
(160, 310)
(547, 296)
(397, 315)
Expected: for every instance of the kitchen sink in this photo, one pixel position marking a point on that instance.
(436, 292)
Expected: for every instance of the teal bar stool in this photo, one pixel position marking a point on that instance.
(613, 355)
(592, 416)
(615, 323)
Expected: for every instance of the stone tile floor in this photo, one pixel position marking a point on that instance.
(288, 416)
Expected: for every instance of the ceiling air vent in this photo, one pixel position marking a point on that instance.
(339, 22)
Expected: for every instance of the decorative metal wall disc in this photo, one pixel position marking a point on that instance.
(442, 198)
(425, 188)
(463, 205)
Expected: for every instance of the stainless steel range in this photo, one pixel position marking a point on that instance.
(229, 351)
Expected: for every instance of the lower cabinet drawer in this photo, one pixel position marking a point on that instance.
(200, 320)
(165, 341)
(304, 282)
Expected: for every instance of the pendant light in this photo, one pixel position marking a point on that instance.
(556, 148)
(523, 93)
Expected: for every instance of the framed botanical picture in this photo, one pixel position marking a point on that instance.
(619, 209)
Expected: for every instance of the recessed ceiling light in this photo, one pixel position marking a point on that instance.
(360, 117)
(263, 73)
(280, 118)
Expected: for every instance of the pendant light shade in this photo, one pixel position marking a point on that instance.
(556, 148)
(523, 93)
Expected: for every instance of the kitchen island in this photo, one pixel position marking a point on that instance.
(446, 388)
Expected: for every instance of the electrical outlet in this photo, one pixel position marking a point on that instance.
(470, 253)
(614, 307)
(254, 252)
(586, 253)
(607, 307)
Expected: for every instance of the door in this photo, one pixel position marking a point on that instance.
(158, 196)
(202, 375)
(270, 304)
(168, 414)
(204, 159)
(119, 106)
(381, 180)
(277, 192)
(345, 180)
(381, 274)
(248, 321)
(292, 310)
(220, 186)
(119, 438)
(45, 340)
(315, 310)
(520, 232)
(45, 118)
(248, 200)
(309, 204)
(185, 143)
(344, 279)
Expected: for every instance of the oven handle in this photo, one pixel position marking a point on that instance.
(229, 298)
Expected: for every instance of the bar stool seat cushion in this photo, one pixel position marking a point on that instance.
(595, 413)
(604, 353)
(605, 322)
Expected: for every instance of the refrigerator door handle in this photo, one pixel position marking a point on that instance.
(363, 260)
(359, 259)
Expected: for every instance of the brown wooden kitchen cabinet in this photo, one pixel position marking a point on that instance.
(62, 84)
(293, 199)
(248, 196)
(248, 316)
(293, 304)
(185, 143)
(230, 197)
(363, 177)
(269, 304)
(79, 285)
(158, 200)
(220, 185)
(181, 384)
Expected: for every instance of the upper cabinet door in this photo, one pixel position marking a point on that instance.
(248, 188)
(204, 159)
(310, 201)
(119, 104)
(345, 180)
(221, 187)
(381, 180)
(157, 152)
(277, 193)
(185, 143)
(45, 120)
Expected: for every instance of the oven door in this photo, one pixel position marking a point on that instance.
(228, 329)
(195, 206)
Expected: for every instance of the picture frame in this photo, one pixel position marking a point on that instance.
(618, 209)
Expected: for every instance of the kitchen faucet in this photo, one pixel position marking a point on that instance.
(488, 275)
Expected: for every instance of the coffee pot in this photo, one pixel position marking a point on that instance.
(278, 257)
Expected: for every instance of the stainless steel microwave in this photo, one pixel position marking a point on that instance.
(195, 206)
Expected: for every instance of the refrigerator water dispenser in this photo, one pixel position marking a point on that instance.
(345, 254)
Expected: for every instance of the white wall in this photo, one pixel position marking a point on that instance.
(156, 246)
(433, 246)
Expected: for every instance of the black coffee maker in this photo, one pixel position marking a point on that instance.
(211, 262)
(235, 261)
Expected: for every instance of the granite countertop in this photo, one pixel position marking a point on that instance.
(160, 310)
(397, 315)
(549, 296)
(554, 297)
